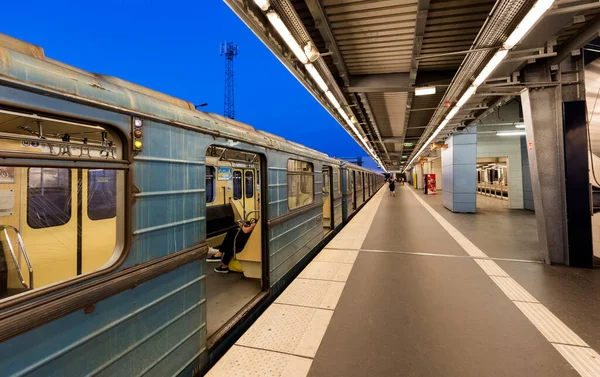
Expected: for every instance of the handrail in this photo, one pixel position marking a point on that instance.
(15, 259)
(251, 212)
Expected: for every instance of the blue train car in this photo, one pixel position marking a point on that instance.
(112, 195)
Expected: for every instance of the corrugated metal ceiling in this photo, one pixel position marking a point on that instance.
(452, 25)
(388, 108)
(373, 36)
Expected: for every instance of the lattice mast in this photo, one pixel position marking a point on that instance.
(229, 50)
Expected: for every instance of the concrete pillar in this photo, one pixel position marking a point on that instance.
(419, 182)
(550, 160)
(459, 171)
(436, 168)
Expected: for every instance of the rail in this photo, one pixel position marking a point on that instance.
(16, 259)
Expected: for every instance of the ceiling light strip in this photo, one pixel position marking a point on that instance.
(301, 55)
(530, 19)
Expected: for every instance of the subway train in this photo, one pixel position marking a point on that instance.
(111, 195)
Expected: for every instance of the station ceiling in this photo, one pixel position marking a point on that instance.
(373, 54)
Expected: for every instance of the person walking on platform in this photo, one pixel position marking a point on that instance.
(392, 185)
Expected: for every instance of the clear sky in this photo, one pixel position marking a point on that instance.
(173, 47)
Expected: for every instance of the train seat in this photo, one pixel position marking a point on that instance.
(250, 256)
(219, 220)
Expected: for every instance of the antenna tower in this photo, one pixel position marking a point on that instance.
(229, 50)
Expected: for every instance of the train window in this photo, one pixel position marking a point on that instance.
(300, 181)
(249, 184)
(237, 185)
(210, 184)
(102, 194)
(48, 197)
(338, 189)
(326, 180)
(69, 217)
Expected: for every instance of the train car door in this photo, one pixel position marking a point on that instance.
(98, 217)
(250, 203)
(327, 200)
(238, 192)
(364, 190)
(48, 222)
(353, 180)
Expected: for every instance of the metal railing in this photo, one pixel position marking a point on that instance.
(493, 190)
(17, 258)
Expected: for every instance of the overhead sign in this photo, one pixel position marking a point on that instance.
(224, 174)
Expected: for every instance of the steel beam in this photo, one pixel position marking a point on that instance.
(543, 127)
(574, 9)
(389, 82)
(322, 23)
(578, 41)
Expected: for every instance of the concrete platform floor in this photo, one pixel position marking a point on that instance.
(410, 289)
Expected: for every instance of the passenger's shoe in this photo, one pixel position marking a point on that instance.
(222, 270)
(212, 251)
(213, 259)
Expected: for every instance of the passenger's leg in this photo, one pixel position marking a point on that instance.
(217, 254)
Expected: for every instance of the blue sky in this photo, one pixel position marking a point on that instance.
(173, 47)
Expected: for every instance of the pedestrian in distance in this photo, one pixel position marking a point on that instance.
(392, 185)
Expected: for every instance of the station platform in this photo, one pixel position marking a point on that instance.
(408, 288)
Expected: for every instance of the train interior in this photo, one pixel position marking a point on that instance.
(233, 195)
(55, 222)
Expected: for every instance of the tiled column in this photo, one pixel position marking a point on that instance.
(459, 170)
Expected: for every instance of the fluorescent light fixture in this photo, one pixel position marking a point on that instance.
(343, 114)
(355, 130)
(263, 4)
(490, 66)
(332, 99)
(452, 113)
(425, 91)
(519, 126)
(317, 77)
(465, 97)
(511, 133)
(287, 36)
(536, 12)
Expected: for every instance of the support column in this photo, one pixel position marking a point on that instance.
(527, 191)
(557, 151)
(459, 171)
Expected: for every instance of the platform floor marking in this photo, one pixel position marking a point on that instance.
(285, 338)
(579, 354)
(448, 255)
(246, 361)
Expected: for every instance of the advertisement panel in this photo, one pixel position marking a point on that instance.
(224, 174)
(431, 184)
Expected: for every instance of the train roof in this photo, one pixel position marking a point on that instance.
(26, 64)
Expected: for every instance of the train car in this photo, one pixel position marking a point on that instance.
(111, 196)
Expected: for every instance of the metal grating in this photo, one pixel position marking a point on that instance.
(504, 17)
